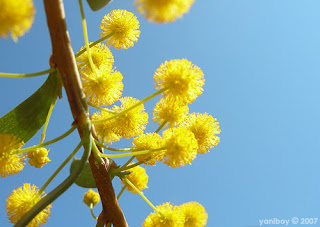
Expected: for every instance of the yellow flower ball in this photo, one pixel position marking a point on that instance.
(167, 216)
(10, 163)
(181, 147)
(101, 56)
(16, 17)
(38, 157)
(138, 177)
(149, 141)
(205, 129)
(103, 88)
(194, 214)
(167, 110)
(123, 26)
(21, 200)
(163, 11)
(182, 80)
(132, 123)
(91, 197)
(105, 130)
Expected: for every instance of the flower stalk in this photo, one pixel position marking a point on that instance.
(140, 193)
(46, 143)
(23, 75)
(130, 154)
(60, 168)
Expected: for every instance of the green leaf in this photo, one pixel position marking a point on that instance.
(95, 5)
(85, 178)
(27, 118)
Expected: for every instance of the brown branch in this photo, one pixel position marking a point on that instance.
(63, 58)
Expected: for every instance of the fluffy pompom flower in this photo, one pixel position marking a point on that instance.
(101, 56)
(181, 147)
(16, 17)
(38, 157)
(205, 129)
(21, 200)
(167, 110)
(194, 214)
(91, 197)
(149, 141)
(181, 78)
(163, 11)
(103, 88)
(10, 163)
(105, 130)
(132, 123)
(124, 26)
(167, 216)
(138, 177)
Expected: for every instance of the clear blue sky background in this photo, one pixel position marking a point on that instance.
(261, 64)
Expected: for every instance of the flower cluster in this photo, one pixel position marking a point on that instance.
(184, 135)
(188, 134)
(126, 125)
(102, 86)
(102, 83)
(21, 200)
(180, 145)
(180, 82)
(12, 160)
(191, 214)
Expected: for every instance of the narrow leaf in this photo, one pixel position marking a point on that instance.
(27, 118)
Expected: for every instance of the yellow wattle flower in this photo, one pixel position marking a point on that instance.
(132, 123)
(103, 88)
(195, 214)
(105, 130)
(181, 78)
(16, 17)
(101, 56)
(91, 197)
(123, 25)
(38, 157)
(167, 216)
(170, 111)
(138, 177)
(181, 147)
(10, 163)
(205, 129)
(163, 11)
(21, 200)
(149, 141)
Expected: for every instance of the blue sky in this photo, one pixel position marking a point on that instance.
(261, 65)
